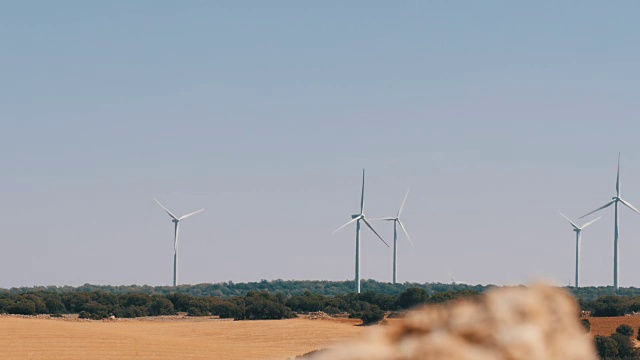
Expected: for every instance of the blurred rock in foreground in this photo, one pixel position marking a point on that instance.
(539, 322)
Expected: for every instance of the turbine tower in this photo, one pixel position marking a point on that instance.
(176, 222)
(356, 218)
(614, 201)
(396, 222)
(578, 231)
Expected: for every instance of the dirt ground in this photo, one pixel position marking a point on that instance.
(606, 326)
(32, 338)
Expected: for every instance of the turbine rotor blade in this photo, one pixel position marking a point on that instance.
(190, 214)
(618, 178)
(569, 220)
(405, 232)
(589, 223)
(375, 232)
(362, 195)
(167, 210)
(600, 208)
(352, 220)
(384, 218)
(630, 206)
(402, 205)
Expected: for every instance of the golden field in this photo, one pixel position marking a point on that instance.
(31, 338)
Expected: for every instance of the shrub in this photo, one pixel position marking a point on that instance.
(133, 312)
(625, 330)
(586, 324)
(606, 347)
(331, 310)
(412, 297)
(227, 310)
(196, 311)
(372, 315)
(161, 306)
(626, 350)
(262, 309)
(24, 307)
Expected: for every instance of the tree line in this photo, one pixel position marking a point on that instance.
(297, 287)
(255, 305)
(611, 305)
(230, 289)
(617, 346)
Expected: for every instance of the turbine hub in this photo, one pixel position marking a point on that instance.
(615, 198)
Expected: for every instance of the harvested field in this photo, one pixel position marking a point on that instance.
(606, 326)
(32, 338)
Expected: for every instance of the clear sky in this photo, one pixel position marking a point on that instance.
(495, 114)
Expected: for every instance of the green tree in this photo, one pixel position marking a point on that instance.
(606, 347)
(24, 307)
(372, 315)
(412, 297)
(263, 309)
(625, 330)
(228, 310)
(160, 306)
(626, 350)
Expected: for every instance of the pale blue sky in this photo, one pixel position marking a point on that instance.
(495, 114)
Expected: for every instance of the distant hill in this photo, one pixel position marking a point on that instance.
(298, 287)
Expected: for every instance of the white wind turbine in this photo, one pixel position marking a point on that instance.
(454, 282)
(578, 230)
(614, 201)
(176, 222)
(396, 222)
(356, 218)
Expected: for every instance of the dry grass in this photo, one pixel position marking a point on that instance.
(278, 339)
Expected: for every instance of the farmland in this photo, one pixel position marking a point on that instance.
(32, 338)
(606, 326)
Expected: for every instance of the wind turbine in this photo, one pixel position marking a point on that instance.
(614, 201)
(356, 218)
(176, 222)
(578, 230)
(454, 282)
(396, 222)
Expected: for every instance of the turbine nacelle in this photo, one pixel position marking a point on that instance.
(356, 216)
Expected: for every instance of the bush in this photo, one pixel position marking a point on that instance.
(133, 312)
(227, 310)
(161, 306)
(606, 347)
(626, 350)
(412, 297)
(97, 316)
(625, 330)
(267, 310)
(196, 311)
(331, 310)
(452, 295)
(24, 307)
(586, 324)
(372, 315)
